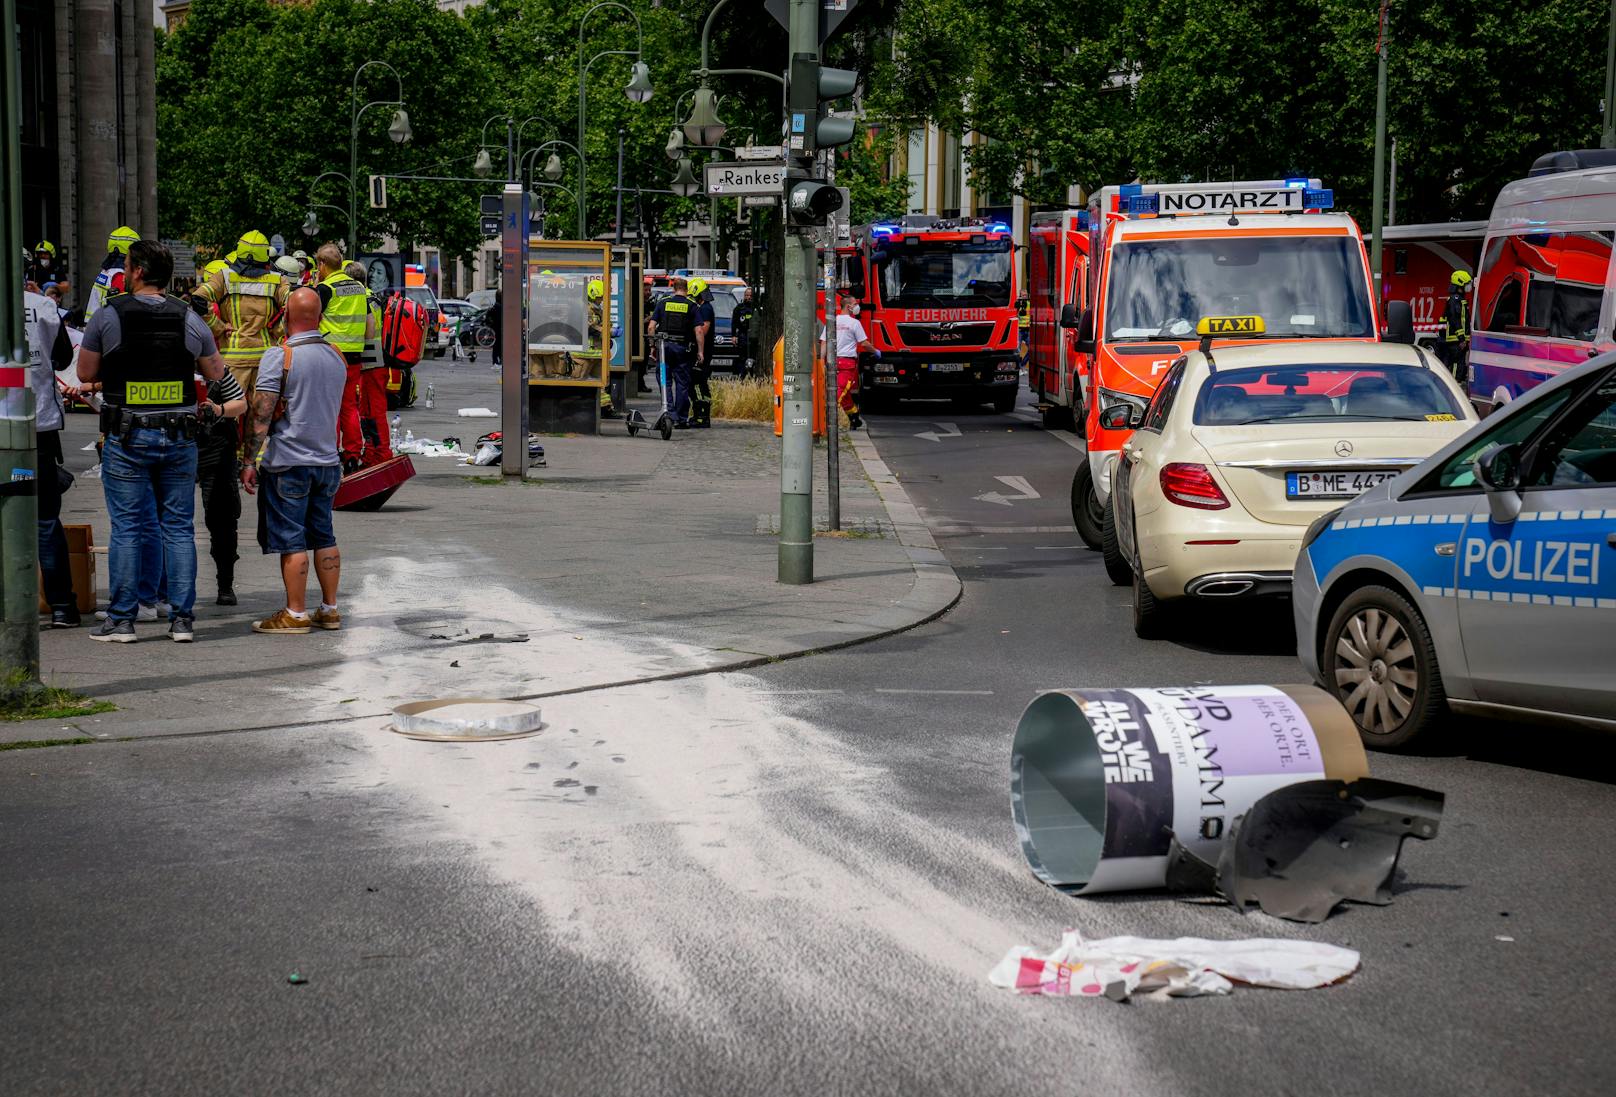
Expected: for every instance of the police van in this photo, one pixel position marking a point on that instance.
(1482, 580)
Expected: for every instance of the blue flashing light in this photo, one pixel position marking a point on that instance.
(997, 226)
(883, 230)
(1318, 199)
(1133, 204)
(1296, 183)
(1130, 188)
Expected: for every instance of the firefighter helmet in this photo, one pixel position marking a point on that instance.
(45, 246)
(121, 238)
(214, 268)
(1461, 278)
(596, 289)
(696, 287)
(253, 245)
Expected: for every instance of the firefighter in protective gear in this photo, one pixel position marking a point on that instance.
(109, 279)
(243, 304)
(1455, 346)
(372, 392)
(42, 267)
(674, 319)
(701, 397)
(344, 319)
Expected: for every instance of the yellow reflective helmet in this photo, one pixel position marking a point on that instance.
(596, 290)
(45, 246)
(121, 238)
(697, 286)
(1461, 278)
(214, 268)
(253, 245)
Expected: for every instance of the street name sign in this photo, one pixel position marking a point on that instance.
(730, 178)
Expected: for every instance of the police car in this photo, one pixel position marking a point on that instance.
(1483, 580)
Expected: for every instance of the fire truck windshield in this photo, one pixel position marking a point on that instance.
(945, 274)
(1299, 285)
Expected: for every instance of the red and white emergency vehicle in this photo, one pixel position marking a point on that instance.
(938, 299)
(1057, 285)
(1417, 264)
(1162, 256)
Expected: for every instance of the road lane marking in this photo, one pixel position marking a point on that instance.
(1015, 483)
(944, 430)
(946, 692)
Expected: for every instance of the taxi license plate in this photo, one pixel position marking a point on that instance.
(1332, 485)
(948, 367)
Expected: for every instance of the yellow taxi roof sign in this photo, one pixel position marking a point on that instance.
(1230, 325)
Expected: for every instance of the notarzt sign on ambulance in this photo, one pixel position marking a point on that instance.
(1188, 199)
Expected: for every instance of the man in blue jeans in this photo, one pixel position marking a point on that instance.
(144, 347)
(296, 465)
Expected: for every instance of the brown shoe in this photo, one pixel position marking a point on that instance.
(327, 619)
(283, 623)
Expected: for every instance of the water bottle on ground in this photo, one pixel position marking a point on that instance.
(430, 402)
(397, 422)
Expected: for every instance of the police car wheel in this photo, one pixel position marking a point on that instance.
(1117, 569)
(1088, 513)
(1379, 661)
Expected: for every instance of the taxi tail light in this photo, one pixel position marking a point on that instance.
(1191, 485)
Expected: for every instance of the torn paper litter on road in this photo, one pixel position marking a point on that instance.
(478, 413)
(1185, 967)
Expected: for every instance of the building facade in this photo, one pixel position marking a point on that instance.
(89, 118)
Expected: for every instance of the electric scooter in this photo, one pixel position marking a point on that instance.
(664, 421)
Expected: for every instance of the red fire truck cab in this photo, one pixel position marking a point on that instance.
(938, 299)
(1057, 288)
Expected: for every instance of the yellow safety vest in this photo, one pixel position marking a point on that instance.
(343, 324)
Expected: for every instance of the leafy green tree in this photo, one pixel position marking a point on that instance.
(255, 103)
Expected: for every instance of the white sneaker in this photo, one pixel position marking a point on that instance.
(144, 613)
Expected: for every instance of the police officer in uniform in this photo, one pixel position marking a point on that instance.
(701, 410)
(1455, 345)
(675, 319)
(144, 348)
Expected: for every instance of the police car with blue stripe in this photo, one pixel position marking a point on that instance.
(1482, 580)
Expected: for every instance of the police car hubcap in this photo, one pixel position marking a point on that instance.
(1375, 673)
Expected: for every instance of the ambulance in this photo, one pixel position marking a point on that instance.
(1057, 285)
(1162, 256)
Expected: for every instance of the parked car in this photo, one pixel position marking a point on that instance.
(1483, 580)
(1234, 457)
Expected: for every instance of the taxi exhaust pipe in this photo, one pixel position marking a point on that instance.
(1221, 586)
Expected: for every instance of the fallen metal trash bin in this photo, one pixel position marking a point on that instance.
(1101, 780)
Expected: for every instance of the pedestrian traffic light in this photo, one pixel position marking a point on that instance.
(810, 202)
(812, 124)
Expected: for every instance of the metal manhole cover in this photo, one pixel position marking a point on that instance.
(466, 719)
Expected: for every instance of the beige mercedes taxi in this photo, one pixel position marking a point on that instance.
(1242, 447)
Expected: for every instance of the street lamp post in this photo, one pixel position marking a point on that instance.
(311, 227)
(638, 89)
(398, 130)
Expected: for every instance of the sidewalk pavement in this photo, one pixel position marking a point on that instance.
(624, 560)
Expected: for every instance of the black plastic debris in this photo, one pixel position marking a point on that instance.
(1304, 849)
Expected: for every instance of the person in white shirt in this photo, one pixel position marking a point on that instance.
(851, 341)
(48, 351)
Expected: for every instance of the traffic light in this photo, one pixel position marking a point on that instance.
(810, 201)
(812, 85)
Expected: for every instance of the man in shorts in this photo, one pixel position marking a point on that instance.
(295, 464)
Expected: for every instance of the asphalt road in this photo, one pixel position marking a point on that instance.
(791, 881)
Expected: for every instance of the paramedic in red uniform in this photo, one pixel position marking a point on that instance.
(851, 341)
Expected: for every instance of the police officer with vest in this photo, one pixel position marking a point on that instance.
(674, 318)
(701, 397)
(345, 315)
(1455, 345)
(243, 305)
(144, 348)
(109, 279)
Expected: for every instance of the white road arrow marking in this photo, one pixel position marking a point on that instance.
(944, 430)
(1018, 483)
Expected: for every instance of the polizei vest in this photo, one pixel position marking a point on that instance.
(678, 321)
(151, 370)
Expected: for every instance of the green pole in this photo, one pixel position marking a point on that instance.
(1607, 133)
(796, 564)
(1378, 219)
(19, 513)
